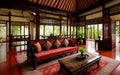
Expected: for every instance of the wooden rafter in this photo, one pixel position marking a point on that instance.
(49, 3)
(66, 4)
(69, 5)
(63, 3)
(39, 1)
(80, 3)
(46, 2)
(43, 2)
(55, 6)
(34, 1)
(87, 4)
(60, 3)
(52, 4)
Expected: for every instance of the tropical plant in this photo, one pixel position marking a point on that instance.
(81, 50)
(81, 35)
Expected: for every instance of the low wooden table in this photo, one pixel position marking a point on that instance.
(78, 67)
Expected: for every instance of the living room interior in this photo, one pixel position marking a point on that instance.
(59, 28)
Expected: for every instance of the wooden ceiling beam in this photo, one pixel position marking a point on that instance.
(56, 4)
(70, 5)
(49, 2)
(81, 3)
(84, 4)
(63, 3)
(93, 6)
(39, 1)
(79, 6)
(87, 4)
(73, 6)
(52, 3)
(60, 3)
(43, 2)
(34, 1)
(66, 4)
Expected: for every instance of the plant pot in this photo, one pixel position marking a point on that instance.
(81, 56)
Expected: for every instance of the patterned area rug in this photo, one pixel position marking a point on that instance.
(107, 66)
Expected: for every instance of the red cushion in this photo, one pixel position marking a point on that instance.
(37, 46)
(51, 41)
(42, 43)
(61, 40)
(53, 52)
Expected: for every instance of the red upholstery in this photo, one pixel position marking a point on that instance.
(53, 52)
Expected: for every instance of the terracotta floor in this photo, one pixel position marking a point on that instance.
(8, 64)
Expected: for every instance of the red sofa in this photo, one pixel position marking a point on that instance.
(51, 52)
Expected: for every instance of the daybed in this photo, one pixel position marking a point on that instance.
(41, 51)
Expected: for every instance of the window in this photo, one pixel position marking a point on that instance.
(73, 31)
(117, 31)
(95, 31)
(56, 30)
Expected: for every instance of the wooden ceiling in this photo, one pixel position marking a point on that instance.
(70, 5)
(66, 5)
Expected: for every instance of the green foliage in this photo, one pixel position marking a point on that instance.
(118, 31)
(82, 50)
(1, 38)
(81, 35)
(15, 30)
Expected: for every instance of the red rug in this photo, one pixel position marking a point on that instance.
(107, 65)
(54, 69)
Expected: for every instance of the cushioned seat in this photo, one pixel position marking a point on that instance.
(53, 52)
(39, 51)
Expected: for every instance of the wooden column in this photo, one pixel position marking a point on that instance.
(108, 42)
(37, 25)
(67, 25)
(10, 35)
(60, 26)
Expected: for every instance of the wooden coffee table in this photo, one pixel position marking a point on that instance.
(78, 67)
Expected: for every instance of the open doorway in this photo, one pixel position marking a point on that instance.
(20, 35)
(3, 41)
(95, 32)
(117, 31)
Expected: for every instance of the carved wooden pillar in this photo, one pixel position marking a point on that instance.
(37, 24)
(10, 35)
(60, 26)
(108, 31)
(67, 25)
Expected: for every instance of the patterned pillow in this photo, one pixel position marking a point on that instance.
(65, 43)
(37, 47)
(56, 44)
(47, 45)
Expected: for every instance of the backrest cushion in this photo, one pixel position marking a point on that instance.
(37, 46)
(47, 45)
(56, 44)
(65, 43)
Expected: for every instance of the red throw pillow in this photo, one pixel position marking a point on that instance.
(37, 47)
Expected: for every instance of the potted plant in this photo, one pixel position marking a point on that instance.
(81, 38)
(81, 50)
